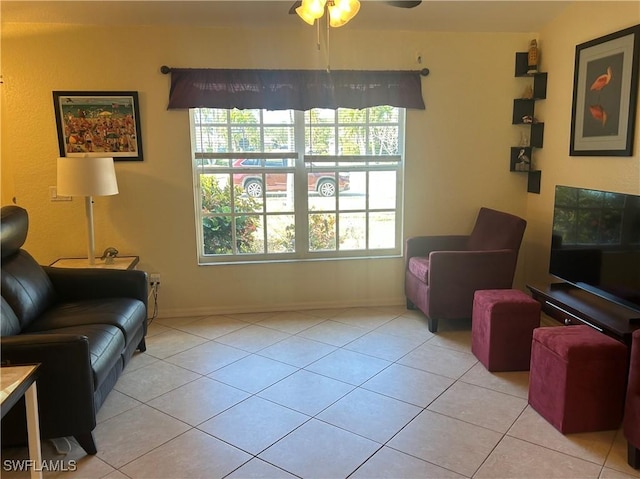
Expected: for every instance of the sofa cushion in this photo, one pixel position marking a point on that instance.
(9, 324)
(106, 343)
(26, 287)
(13, 229)
(419, 267)
(124, 313)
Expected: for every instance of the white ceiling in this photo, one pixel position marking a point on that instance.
(431, 15)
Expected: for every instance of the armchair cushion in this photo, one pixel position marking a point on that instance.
(419, 267)
(496, 230)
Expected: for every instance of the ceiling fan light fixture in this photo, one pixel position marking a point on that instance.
(311, 10)
(342, 11)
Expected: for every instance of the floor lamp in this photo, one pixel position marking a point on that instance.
(88, 177)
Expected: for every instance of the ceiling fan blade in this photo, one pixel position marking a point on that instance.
(405, 4)
(295, 5)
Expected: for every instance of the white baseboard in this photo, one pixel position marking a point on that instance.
(211, 311)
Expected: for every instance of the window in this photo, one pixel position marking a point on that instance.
(291, 185)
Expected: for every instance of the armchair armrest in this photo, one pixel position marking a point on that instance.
(454, 276)
(72, 283)
(423, 245)
(472, 267)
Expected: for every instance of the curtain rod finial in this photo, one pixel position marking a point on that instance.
(164, 69)
(424, 72)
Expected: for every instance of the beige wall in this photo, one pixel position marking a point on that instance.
(457, 151)
(574, 26)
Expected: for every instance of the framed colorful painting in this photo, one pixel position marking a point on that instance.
(98, 124)
(605, 95)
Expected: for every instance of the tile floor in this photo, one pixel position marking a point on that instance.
(358, 393)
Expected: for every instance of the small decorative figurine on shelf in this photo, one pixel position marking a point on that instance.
(532, 57)
(524, 162)
(109, 255)
(527, 94)
(529, 120)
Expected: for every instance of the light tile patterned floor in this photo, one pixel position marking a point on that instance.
(358, 393)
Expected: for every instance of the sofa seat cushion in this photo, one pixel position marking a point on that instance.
(106, 343)
(419, 267)
(124, 313)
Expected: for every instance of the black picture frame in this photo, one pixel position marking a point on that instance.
(98, 124)
(605, 95)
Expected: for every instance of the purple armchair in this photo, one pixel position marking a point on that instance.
(443, 272)
(631, 421)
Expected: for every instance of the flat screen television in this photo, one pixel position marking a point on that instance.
(595, 243)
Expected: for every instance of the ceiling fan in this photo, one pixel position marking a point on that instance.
(399, 3)
(338, 13)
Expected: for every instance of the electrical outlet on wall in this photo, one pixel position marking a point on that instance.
(154, 279)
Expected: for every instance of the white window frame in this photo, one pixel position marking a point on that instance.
(330, 163)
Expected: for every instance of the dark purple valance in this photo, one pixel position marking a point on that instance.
(293, 89)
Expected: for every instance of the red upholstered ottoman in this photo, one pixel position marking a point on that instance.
(502, 326)
(578, 378)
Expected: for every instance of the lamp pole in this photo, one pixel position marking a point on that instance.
(88, 205)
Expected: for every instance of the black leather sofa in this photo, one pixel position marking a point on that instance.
(81, 325)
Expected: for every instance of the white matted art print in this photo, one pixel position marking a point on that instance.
(605, 94)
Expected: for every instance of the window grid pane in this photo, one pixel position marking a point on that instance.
(247, 206)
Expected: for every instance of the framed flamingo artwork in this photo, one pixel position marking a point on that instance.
(95, 124)
(605, 95)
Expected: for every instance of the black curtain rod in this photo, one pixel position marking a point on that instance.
(165, 70)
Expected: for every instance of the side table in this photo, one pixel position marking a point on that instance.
(119, 262)
(18, 381)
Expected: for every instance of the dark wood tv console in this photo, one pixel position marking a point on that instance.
(569, 305)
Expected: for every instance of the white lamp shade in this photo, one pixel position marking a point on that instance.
(84, 176)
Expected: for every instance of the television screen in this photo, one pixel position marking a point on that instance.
(595, 243)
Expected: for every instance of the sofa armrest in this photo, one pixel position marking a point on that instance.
(86, 283)
(423, 245)
(64, 355)
(65, 381)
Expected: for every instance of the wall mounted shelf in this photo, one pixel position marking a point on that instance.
(521, 157)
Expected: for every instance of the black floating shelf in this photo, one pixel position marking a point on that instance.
(522, 64)
(516, 163)
(540, 86)
(537, 135)
(521, 108)
(533, 181)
